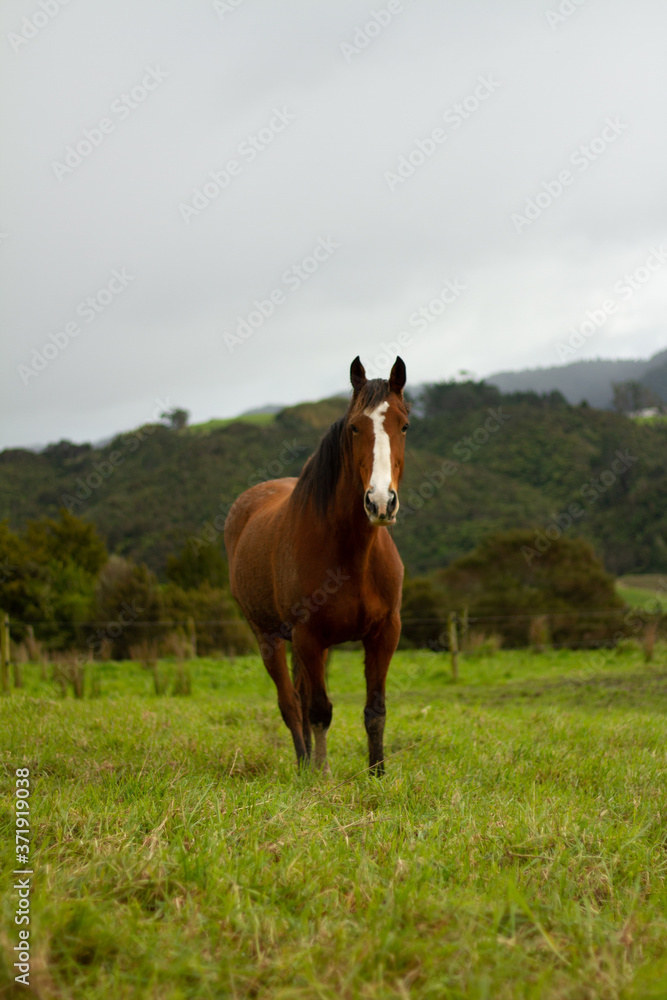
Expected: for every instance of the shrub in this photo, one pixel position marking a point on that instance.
(128, 606)
(423, 612)
(507, 580)
(219, 627)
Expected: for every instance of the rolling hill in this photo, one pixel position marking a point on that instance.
(477, 461)
(587, 380)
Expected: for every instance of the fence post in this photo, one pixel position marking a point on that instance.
(4, 653)
(453, 644)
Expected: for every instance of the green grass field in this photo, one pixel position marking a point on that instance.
(516, 847)
(643, 590)
(259, 419)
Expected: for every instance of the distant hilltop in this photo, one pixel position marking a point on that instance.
(589, 381)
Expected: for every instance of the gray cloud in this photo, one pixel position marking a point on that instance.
(357, 116)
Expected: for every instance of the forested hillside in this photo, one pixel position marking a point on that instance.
(477, 461)
(591, 380)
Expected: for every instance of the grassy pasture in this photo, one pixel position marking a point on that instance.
(643, 590)
(259, 419)
(640, 597)
(516, 847)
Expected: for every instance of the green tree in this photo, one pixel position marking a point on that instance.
(176, 418)
(69, 539)
(631, 396)
(445, 397)
(518, 574)
(47, 576)
(25, 592)
(423, 612)
(190, 569)
(128, 607)
(73, 553)
(219, 625)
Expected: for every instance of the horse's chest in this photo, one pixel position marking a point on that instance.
(347, 610)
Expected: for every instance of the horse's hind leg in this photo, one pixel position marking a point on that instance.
(275, 661)
(309, 664)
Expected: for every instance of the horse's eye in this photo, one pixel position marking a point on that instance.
(355, 430)
(405, 427)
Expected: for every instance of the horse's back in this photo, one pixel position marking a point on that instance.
(263, 500)
(252, 531)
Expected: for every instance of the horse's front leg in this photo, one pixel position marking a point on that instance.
(379, 648)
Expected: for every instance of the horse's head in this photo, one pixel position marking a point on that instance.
(377, 421)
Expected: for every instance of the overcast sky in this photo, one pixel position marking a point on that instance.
(474, 177)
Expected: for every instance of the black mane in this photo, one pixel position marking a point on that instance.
(320, 475)
(321, 472)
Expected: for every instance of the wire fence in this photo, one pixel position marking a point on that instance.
(449, 633)
(474, 619)
(557, 628)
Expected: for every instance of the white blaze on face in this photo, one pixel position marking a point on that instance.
(381, 475)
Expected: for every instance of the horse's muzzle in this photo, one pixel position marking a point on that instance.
(382, 511)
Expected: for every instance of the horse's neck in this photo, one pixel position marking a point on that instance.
(350, 532)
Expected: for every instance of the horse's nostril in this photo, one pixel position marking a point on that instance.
(392, 503)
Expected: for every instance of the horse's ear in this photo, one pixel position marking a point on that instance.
(397, 377)
(357, 375)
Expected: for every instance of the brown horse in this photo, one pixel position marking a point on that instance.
(310, 561)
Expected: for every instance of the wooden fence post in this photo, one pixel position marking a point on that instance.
(453, 644)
